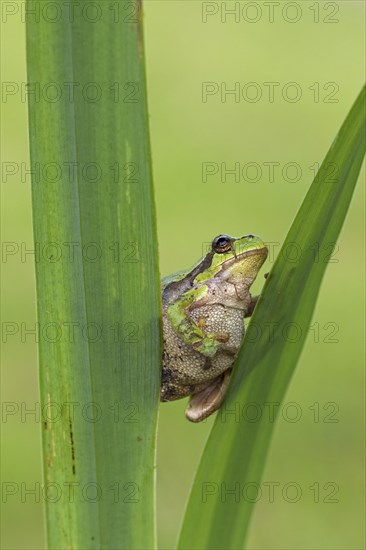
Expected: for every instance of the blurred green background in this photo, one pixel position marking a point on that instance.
(182, 53)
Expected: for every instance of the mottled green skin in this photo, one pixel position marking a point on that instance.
(203, 316)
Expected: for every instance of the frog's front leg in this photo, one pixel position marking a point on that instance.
(193, 334)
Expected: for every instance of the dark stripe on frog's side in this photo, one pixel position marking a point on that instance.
(186, 282)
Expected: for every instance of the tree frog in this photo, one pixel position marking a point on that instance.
(203, 322)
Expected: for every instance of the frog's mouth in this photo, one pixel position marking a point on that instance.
(262, 251)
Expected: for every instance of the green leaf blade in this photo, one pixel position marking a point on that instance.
(236, 450)
(104, 292)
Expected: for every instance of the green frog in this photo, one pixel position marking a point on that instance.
(203, 322)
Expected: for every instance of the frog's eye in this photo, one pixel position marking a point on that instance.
(221, 244)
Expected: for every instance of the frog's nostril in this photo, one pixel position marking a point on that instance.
(250, 236)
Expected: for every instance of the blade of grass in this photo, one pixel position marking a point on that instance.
(98, 285)
(236, 449)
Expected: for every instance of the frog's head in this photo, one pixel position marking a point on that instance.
(234, 259)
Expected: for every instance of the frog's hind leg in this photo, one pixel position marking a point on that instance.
(207, 401)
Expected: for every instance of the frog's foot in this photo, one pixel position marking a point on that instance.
(207, 401)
